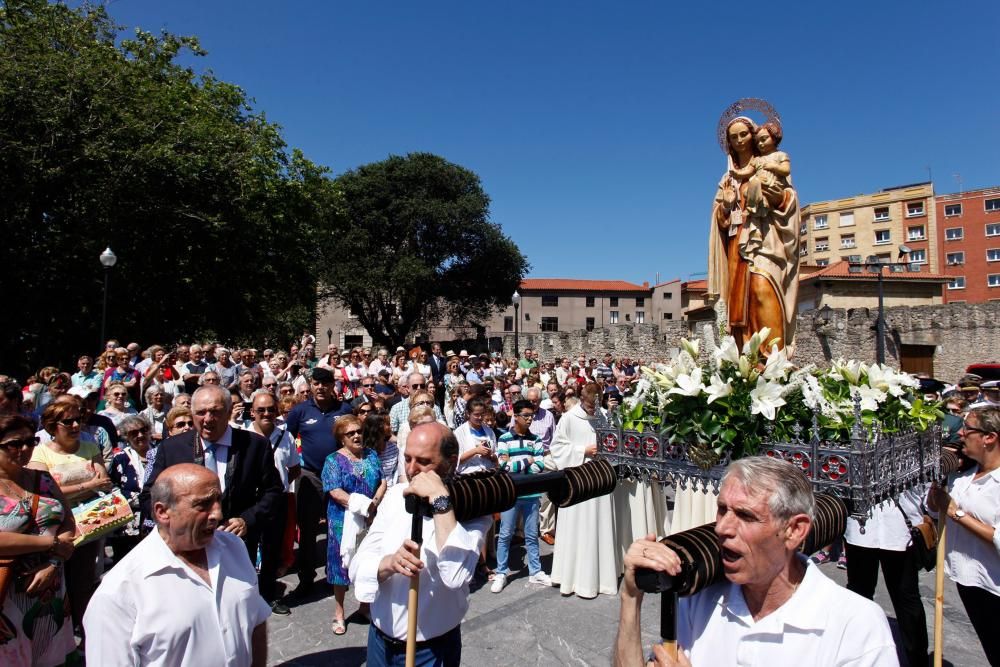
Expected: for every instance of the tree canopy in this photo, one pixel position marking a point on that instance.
(106, 141)
(414, 246)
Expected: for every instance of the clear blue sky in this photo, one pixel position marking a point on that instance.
(592, 125)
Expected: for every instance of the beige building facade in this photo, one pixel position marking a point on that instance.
(836, 286)
(854, 228)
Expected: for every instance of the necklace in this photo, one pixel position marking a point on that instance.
(13, 494)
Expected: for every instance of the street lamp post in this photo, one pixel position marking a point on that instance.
(516, 299)
(108, 260)
(329, 337)
(874, 265)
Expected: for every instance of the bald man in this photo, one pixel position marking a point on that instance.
(446, 561)
(187, 594)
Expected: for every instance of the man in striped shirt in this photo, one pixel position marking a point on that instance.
(520, 451)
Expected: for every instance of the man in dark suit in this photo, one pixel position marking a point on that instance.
(438, 369)
(252, 492)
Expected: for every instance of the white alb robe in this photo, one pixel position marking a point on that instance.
(587, 561)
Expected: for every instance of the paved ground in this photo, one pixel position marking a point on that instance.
(532, 625)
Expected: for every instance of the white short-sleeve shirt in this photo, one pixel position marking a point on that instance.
(152, 609)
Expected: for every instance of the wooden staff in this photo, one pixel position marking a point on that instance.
(668, 622)
(939, 590)
(417, 535)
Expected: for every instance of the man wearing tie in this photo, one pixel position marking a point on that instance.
(438, 370)
(243, 461)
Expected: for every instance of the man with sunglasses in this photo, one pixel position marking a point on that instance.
(367, 394)
(286, 460)
(401, 411)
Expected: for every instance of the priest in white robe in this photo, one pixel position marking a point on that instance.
(587, 560)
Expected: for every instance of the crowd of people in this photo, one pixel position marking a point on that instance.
(236, 463)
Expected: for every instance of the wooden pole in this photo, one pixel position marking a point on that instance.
(417, 535)
(939, 590)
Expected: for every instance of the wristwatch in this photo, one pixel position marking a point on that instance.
(441, 504)
(959, 514)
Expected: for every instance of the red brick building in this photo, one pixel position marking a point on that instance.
(969, 244)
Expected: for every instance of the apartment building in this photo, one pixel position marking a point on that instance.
(853, 228)
(969, 239)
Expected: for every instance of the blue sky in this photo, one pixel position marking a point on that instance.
(592, 124)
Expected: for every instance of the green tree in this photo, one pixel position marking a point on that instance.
(415, 245)
(106, 141)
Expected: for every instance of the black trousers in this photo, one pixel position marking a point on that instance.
(899, 570)
(269, 538)
(983, 609)
(310, 504)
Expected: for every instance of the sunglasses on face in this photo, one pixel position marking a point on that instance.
(972, 429)
(352, 434)
(266, 411)
(527, 415)
(418, 386)
(70, 421)
(118, 394)
(182, 424)
(20, 443)
(139, 431)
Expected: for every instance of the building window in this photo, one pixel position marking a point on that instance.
(992, 255)
(882, 214)
(527, 317)
(640, 317)
(550, 301)
(847, 241)
(882, 236)
(884, 257)
(590, 302)
(803, 228)
(550, 324)
(918, 256)
(993, 230)
(847, 219)
(668, 316)
(992, 205)
(822, 244)
(953, 234)
(820, 222)
(803, 250)
(668, 295)
(993, 280)
(508, 323)
(957, 282)
(951, 210)
(914, 208)
(353, 340)
(915, 233)
(628, 317)
(590, 324)
(640, 302)
(956, 258)
(613, 302)
(822, 262)
(613, 316)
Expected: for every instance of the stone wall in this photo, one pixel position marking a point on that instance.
(956, 334)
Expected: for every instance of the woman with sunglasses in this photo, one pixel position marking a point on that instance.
(972, 504)
(77, 466)
(36, 534)
(350, 475)
(123, 373)
(116, 407)
(128, 473)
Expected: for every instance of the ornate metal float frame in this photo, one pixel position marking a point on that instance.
(865, 471)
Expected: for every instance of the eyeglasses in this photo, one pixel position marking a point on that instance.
(182, 424)
(367, 385)
(423, 403)
(418, 386)
(118, 394)
(266, 411)
(527, 415)
(70, 421)
(21, 443)
(139, 431)
(351, 434)
(270, 386)
(366, 410)
(972, 429)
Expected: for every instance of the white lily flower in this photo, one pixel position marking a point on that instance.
(717, 388)
(766, 398)
(727, 352)
(777, 365)
(691, 346)
(688, 385)
(848, 371)
(870, 397)
(751, 346)
(744, 366)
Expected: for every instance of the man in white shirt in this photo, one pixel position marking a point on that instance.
(187, 594)
(775, 607)
(446, 561)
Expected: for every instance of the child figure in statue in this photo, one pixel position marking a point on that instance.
(768, 174)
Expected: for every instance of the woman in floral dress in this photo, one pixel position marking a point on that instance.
(353, 469)
(36, 536)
